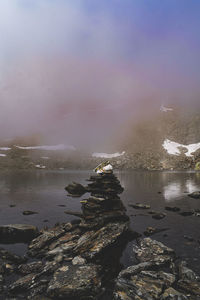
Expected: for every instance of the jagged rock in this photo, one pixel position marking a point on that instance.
(22, 284)
(78, 260)
(14, 233)
(140, 206)
(75, 189)
(187, 274)
(33, 267)
(76, 282)
(149, 279)
(39, 245)
(195, 195)
(153, 251)
(92, 243)
(144, 285)
(172, 294)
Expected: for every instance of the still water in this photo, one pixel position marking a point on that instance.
(43, 192)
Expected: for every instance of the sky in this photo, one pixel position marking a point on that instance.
(79, 70)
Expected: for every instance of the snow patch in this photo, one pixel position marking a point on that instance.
(173, 147)
(40, 166)
(2, 155)
(5, 148)
(165, 109)
(49, 148)
(106, 155)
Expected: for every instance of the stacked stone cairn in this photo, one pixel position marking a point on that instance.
(68, 261)
(68, 258)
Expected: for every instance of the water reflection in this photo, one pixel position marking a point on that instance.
(177, 189)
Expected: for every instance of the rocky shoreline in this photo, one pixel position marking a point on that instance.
(81, 259)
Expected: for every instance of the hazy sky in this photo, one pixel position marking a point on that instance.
(101, 62)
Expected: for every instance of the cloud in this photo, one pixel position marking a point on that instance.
(63, 62)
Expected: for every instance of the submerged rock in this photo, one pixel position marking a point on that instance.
(140, 206)
(159, 216)
(17, 233)
(29, 212)
(172, 208)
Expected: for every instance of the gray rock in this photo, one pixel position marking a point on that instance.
(39, 246)
(172, 294)
(78, 260)
(92, 243)
(75, 189)
(153, 251)
(75, 282)
(33, 267)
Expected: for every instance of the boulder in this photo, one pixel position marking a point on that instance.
(76, 282)
(17, 233)
(195, 195)
(153, 251)
(93, 243)
(76, 189)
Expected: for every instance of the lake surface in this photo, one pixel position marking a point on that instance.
(43, 192)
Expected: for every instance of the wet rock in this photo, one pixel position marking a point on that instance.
(14, 233)
(76, 282)
(29, 212)
(34, 267)
(172, 208)
(140, 206)
(153, 251)
(76, 189)
(159, 216)
(78, 260)
(187, 274)
(92, 243)
(38, 246)
(172, 294)
(22, 284)
(151, 230)
(150, 280)
(144, 285)
(195, 195)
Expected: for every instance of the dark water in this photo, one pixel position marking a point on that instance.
(43, 192)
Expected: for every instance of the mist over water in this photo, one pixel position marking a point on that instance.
(80, 72)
